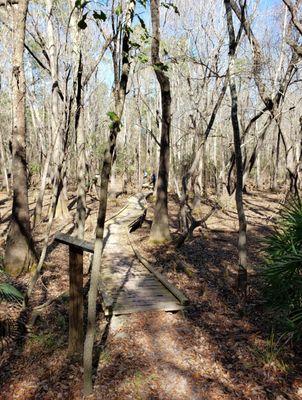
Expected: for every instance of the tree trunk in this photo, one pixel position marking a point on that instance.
(293, 162)
(79, 121)
(4, 165)
(39, 203)
(120, 88)
(198, 185)
(56, 116)
(19, 250)
(275, 157)
(242, 250)
(160, 227)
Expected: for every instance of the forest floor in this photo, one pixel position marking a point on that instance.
(214, 350)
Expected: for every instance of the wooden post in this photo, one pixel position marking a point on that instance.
(75, 341)
(76, 249)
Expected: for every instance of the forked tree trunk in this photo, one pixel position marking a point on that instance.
(19, 250)
(160, 227)
(242, 272)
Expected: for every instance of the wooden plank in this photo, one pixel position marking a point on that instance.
(160, 307)
(148, 296)
(147, 291)
(74, 242)
(147, 299)
(134, 298)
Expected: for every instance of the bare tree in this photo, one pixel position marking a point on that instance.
(160, 227)
(242, 250)
(77, 40)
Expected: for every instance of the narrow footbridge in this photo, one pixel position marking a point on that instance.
(128, 283)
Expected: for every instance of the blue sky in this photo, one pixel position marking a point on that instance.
(268, 3)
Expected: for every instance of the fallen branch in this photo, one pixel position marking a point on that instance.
(37, 311)
(195, 224)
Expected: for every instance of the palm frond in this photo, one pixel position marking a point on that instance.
(9, 293)
(283, 266)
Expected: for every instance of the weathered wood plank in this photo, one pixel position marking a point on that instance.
(74, 242)
(155, 307)
(143, 296)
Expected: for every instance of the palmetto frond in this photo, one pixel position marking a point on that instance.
(283, 266)
(9, 293)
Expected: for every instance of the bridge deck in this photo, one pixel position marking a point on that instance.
(128, 286)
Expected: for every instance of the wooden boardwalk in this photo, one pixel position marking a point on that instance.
(128, 286)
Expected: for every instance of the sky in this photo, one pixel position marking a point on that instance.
(266, 6)
(269, 3)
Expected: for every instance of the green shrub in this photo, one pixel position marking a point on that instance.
(283, 267)
(34, 168)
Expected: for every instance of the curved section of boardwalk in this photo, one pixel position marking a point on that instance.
(127, 286)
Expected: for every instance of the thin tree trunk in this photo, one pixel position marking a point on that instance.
(19, 250)
(39, 203)
(126, 170)
(4, 167)
(56, 116)
(139, 162)
(242, 250)
(160, 227)
(79, 122)
(258, 172)
(275, 157)
(119, 95)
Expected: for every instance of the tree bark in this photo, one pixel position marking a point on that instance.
(19, 250)
(160, 227)
(242, 250)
